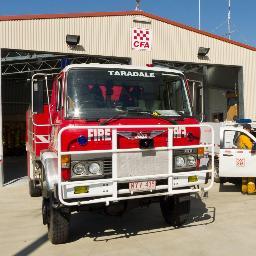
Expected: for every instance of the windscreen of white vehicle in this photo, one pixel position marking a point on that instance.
(104, 93)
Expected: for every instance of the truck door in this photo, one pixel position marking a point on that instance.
(195, 90)
(234, 162)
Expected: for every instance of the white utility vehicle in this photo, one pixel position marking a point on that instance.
(231, 163)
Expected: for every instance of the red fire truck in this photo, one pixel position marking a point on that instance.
(113, 137)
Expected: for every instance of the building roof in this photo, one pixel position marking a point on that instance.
(126, 13)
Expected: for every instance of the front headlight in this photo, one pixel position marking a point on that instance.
(79, 169)
(191, 161)
(180, 162)
(185, 161)
(87, 169)
(94, 168)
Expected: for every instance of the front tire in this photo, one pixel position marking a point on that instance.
(175, 209)
(58, 226)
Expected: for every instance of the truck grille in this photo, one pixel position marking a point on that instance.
(131, 164)
(107, 165)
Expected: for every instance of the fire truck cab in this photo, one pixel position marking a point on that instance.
(113, 137)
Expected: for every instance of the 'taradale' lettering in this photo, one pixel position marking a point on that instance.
(131, 73)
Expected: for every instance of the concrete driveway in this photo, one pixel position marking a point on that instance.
(223, 224)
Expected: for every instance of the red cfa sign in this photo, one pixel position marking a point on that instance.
(141, 39)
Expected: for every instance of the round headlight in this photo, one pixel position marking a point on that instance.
(79, 169)
(191, 161)
(180, 162)
(94, 168)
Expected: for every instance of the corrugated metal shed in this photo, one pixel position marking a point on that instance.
(109, 34)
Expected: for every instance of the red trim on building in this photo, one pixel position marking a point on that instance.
(127, 13)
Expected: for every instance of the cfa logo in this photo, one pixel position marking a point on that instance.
(141, 45)
(99, 134)
(141, 39)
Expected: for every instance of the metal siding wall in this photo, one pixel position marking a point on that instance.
(111, 36)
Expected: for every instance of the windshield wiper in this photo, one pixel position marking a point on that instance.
(128, 110)
(159, 117)
(137, 111)
(115, 117)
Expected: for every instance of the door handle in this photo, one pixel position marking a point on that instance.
(227, 155)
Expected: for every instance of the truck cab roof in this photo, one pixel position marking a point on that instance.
(119, 66)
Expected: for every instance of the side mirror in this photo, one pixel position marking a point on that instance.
(38, 96)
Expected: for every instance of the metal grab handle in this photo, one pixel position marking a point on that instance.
(227, 155)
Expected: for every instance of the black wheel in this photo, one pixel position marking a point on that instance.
(58, 226)
(175, 209)
(34, 188)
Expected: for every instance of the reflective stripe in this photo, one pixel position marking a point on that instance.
(42, 139)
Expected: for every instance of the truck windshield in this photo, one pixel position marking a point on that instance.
(104, 93)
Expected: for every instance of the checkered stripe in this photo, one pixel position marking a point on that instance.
(142, 35)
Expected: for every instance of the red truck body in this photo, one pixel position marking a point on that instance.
(70, 138)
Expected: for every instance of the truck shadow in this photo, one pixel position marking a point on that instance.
(136, 222)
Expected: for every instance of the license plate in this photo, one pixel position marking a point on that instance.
(142, 185)
(81, 189)
(192, 178)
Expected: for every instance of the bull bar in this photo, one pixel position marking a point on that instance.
(115, 194)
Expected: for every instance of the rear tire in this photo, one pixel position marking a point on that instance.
(58, 226)
(34, 189)
(175, 209)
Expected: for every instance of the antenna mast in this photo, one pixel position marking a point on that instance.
(199, 14)
(229, 19)
(137, 8)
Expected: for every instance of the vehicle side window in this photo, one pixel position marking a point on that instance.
(230, 139)
(59, 94)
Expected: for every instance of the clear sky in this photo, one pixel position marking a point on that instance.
(213, 12)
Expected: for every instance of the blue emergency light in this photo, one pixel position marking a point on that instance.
(82, 140)
(244, 121)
